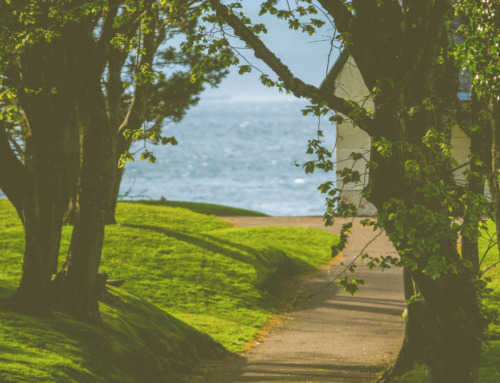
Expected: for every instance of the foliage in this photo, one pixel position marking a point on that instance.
(139, 31)
(489, 369)
(225, 282)
(479, 50)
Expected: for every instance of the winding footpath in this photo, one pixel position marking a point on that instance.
(334, 337)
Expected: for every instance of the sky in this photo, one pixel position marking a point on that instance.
(306, 56)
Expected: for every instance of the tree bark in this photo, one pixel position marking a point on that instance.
(135, 116)
(77, 278)
(38, 195)
(411, 351)
(72, 168)
(115, 90)
(454, 326)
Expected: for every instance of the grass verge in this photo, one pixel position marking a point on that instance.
(210, 278)
(489, 368)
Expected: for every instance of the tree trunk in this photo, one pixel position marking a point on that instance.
(411, 350)
(135, 115)
(78, 276)
(72, 169)
(133, 121)
(457, 332)
(450, 325)
(453, 325)
(115, 90)
(41, 198)
(113, 200)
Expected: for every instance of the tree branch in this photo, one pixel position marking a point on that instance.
(295, 85)
(422, 23)
(461, 166)
(342, 16)
(107, 33)
(135, 116)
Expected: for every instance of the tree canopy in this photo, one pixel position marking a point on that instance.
(79, 82)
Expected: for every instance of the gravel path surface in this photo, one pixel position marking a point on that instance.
(334, 337)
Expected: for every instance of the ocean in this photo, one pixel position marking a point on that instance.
(236, 153)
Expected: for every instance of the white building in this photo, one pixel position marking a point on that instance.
(348, 83)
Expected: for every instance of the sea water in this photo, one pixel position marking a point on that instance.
(236, 153)
(239, 154)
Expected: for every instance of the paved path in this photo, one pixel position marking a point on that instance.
(334, 337)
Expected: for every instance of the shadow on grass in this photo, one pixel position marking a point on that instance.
(6, 289)
(206, 245)
(142, 344)
(203, 208)
(273, 264)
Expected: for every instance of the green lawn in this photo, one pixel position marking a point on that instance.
(223, 282)
(489, 369)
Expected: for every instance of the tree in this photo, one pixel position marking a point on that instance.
(51, 67)
(150, 105)
(398, 49)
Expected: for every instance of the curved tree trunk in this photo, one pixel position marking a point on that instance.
(40, 197)
(454, 323)
(445, 325)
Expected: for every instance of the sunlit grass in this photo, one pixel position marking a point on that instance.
(222, 281)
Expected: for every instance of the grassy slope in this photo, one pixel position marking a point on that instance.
(489, 370)
(142, 344)
(222, 281)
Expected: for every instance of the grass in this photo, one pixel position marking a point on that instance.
(489, 369)
(195, 275)
(142, 344)
(206, 208)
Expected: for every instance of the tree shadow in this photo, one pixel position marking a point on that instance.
(207, 245)
(271, 264)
